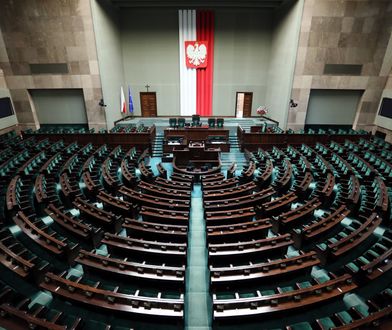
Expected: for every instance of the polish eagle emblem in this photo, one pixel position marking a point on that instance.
(196, 54)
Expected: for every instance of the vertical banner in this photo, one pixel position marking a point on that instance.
(205, 23)
(187, 31)
(196, 45)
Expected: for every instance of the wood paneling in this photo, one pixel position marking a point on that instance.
(148, 103)
(247, 111)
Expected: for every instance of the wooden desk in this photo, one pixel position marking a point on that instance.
(196, 133)
(201, 133)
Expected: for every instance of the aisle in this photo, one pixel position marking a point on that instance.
(198, 303)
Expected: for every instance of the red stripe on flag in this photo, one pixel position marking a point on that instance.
(204, 77)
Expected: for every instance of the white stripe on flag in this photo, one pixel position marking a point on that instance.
(122, 101)
(187, 31)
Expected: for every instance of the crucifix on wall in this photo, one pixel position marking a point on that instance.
(147, 87)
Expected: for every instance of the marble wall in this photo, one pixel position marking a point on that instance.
(49, 31)
(3, 83)
(343, 32)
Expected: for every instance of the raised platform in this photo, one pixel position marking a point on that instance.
(231, 123)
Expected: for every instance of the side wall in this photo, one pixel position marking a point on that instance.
(283, 55)
(342, 32)
(53, 31)
(106, 20)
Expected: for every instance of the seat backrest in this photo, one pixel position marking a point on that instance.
(181, 122)
(172, 122)
(195, 120)
(220, 122)
(211, 122)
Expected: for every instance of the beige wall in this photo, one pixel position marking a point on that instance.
(50, 31)
(242, 52)
(150, 56)
(284, 46)
(342, 32)
(106, 20)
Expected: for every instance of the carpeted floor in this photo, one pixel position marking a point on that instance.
(198, 302)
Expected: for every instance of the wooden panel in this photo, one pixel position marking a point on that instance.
(141, 140)
(196, 133)
(148, 103)
(247, 110)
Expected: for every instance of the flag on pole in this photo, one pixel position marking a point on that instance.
(130, 104)
(123, 105)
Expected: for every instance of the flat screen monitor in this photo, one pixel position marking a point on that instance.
(6, 109)
(386, 107)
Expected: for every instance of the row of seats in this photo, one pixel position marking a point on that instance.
(298, 226)
(339, 220)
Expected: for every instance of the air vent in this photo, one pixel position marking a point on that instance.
(49, 68)
(343, 69)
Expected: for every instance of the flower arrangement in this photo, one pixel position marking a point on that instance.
(262, 110)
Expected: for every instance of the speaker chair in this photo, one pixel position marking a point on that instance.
(196, 120)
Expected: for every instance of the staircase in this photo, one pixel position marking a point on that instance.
(157, 147)
(246, 123)
(235, 154)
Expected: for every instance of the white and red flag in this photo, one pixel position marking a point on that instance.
(196, 44)
(123, 105)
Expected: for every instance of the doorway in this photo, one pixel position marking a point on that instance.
(243, 106)
(148, 103)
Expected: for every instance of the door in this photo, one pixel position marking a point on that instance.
(244, 104)
(148, 103)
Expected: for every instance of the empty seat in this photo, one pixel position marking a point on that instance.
(181, 122)
(196, 120)
(173, 122)
(220, 122)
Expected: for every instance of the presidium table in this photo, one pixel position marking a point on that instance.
(211, 137)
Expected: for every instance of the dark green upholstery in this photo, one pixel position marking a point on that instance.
(172, 122)
(181, 122)
(220, 122)
(195, 120)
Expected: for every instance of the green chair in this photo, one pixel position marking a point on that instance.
(181, 122)
(173, 122)
(195, 120)
(211, 122)
(220, 122)
(301, 326)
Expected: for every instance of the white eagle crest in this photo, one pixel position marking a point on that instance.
(196, 54)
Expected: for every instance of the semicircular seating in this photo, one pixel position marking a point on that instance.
(95, 236)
